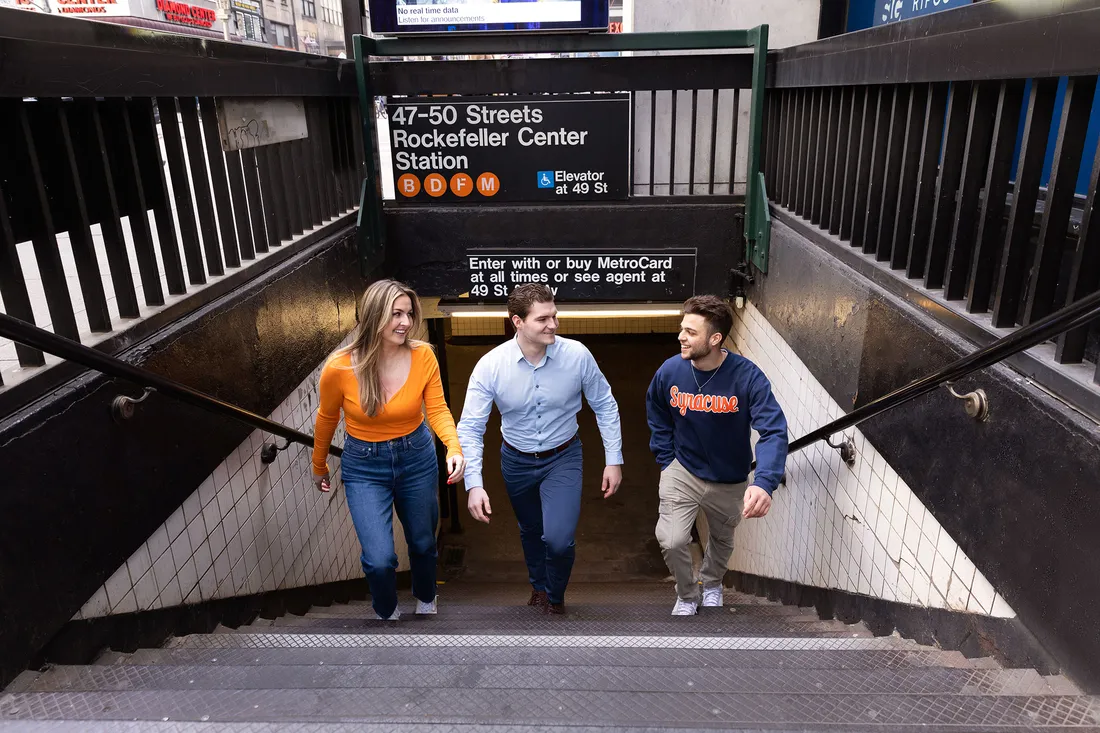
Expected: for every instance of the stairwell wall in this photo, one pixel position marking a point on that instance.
(92, 502)
(1010, 505)
(248, 528)
(856, 528)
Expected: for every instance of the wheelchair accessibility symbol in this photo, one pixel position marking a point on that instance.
(546, 179)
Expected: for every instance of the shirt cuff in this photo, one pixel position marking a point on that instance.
(613, 458)
(766, 484)
(473, 481)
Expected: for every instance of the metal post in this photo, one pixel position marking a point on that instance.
(370, 234)
(756, 205)
(353, 23)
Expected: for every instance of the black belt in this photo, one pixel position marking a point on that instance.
(542, 453)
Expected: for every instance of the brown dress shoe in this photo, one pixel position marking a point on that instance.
(539, 599)
(557, 609)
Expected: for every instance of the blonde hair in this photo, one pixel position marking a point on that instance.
(375, 311)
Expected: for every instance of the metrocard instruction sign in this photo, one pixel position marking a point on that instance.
(537, 148)
(584, 273)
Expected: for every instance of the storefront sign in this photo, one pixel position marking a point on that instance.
(93, 7)
(99, 8)
(35, 6)
(584, 274)
(248, 5)
(544, 149)
(193, 15)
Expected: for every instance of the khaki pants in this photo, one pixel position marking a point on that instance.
(682, 496)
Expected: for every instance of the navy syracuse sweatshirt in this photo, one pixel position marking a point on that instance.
(708, 430)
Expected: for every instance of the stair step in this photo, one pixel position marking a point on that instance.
(435, 641)
(23, 682)
(110, 656)
(875, 659)
(588, 611)
(539, 623)
(150, 726)
(609, 678)
(517, 707)
(1061, 685)
(604, 594)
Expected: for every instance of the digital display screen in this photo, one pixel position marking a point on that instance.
(395, 17)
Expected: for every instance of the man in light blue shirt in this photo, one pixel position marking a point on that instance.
(536, 381)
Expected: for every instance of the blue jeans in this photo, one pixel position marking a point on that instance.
(546, 497)
(401, 473)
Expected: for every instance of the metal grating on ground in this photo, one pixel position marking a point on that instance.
(838, 660)
(272, 641)
(432, 727)
(604, 667)
(406, 706)
(537, 623)
(574, 677)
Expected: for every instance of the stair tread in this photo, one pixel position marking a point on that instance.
(158, 726)
(412, 705)
(447, 607)
(532, 621)
(399, 638)
(901, 658)
(605, 594)
(607, 677)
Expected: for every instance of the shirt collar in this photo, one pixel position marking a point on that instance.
(551, 350)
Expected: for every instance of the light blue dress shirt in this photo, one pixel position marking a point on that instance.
(538, 404)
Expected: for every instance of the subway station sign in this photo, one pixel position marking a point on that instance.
(537, 148)
(584, 274)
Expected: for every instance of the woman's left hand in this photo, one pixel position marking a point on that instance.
(455, 466)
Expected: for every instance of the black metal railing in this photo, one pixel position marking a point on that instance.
(24, 333)
(902, 142)
(115, 190)
(1063, 321)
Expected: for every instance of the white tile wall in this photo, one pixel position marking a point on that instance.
(860, 528)
(248, 528)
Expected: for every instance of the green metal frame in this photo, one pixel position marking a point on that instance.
(370, 234)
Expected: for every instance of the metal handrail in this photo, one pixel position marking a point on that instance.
(1066, 319)
(26, 333)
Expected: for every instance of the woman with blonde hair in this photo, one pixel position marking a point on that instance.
(382, 382)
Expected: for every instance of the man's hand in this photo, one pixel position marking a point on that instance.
(757, 503)
(323, 483)
(612, 477)
(477, 501)
(455, 466)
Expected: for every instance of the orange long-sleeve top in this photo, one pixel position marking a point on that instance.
(339, 390)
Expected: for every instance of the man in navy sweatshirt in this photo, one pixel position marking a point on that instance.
(702, 406)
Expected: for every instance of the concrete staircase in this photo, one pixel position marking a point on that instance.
(618, 661)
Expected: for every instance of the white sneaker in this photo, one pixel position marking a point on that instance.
(395, 617)
(426, 609)
(712, 596)
(685, 608)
